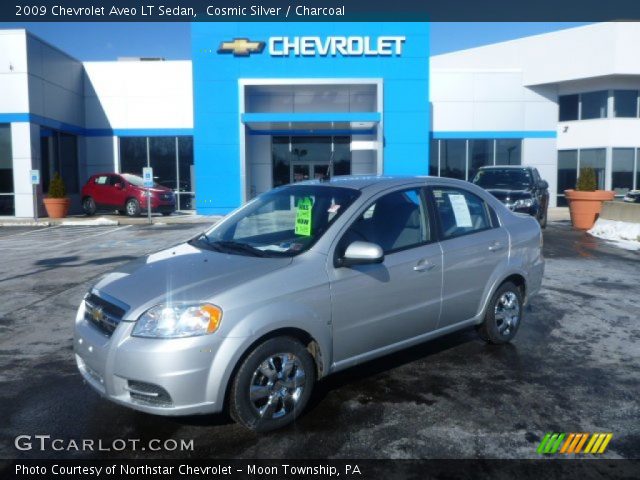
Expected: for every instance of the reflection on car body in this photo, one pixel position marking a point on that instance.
(304, 281)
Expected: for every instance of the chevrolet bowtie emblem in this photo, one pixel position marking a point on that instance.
(241, 47)
(97, 315)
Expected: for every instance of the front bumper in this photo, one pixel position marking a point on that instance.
(159, 376)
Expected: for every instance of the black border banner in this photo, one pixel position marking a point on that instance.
(319, 469)
(325, 10)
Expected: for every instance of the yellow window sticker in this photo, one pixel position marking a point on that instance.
(303, 216)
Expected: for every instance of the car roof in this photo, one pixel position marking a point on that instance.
(361, 182)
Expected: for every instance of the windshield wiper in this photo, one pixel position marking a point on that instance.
(238, 247)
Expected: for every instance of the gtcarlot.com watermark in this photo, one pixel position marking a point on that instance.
(46, 443)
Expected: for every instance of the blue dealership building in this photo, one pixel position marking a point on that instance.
(260, 105)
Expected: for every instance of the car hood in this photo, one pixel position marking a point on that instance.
(506, 195)
(181, 274)
(154, 189)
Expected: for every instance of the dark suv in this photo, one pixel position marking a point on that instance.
(520, 188)
(125, 193)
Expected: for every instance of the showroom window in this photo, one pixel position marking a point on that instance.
(7, 206)
(453, 158)
(585, 106)
(59, 154)
(569, 107)
(625, 103)
(593, 105)
(462, 158)
(622, 168)
(171, 159)
(571, 161)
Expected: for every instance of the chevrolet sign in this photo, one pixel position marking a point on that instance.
(353, 46)
(333, 46)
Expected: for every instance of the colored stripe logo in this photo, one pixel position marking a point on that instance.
(568, 443)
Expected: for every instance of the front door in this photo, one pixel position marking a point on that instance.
(375, 306)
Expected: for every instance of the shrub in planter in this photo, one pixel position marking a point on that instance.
(57, 203)
(585, 202)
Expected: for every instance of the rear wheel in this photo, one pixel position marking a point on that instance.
(132, 207)
(273, 385)
(89, 206)
(166, 214)
(503, 316)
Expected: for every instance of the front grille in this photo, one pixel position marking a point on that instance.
(103, 315)
(149, 394)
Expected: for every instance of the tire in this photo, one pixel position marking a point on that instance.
(132, 207)
(166, 214)
(501, 321)
(89, 206)
(543, 219)
(279, 395)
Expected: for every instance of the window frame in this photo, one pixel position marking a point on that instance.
(490, 213)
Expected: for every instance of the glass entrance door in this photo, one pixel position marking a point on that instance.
(309, 171)
(299, 158)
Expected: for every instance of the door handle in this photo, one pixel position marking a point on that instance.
(495, 246)
(423, 266)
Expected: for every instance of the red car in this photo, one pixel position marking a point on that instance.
(126, 193)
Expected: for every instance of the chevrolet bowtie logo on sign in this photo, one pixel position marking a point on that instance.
(574, 443)
(334, 46)
(241, 47)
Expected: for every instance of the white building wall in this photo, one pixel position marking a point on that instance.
(138, 94)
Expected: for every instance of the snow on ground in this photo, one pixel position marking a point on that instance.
(621, 234)
(101, 222)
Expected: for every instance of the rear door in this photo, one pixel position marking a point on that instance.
(474, 249)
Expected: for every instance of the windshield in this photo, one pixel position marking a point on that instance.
(507, 178)
(135, 180)
(283, 222)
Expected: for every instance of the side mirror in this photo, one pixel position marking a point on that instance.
(118, 185)
(543, 185)
(362, 253)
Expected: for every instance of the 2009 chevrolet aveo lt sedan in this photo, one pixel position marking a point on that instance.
(304, 281)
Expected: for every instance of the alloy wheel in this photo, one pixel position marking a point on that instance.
(507, 313)
(277, 385)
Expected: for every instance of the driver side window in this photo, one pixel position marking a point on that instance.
(395, 221)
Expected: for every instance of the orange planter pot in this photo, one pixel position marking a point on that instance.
(57, 207)
(585, 207)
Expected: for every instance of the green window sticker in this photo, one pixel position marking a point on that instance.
(303, 216)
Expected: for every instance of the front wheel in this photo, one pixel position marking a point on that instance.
(132, 207)
(89, 206)
(273, 385)
(543, 219)
(503, 315)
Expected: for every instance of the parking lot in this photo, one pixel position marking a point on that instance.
(572, 368)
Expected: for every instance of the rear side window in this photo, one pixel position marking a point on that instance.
(101, 180)
(460, 212)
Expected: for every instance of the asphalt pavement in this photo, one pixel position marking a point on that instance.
(573, 366)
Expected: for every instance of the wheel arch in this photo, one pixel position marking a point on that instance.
(516, 277)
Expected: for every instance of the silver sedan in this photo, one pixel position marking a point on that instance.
(302, 282)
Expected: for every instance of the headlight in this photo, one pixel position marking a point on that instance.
(523, 203)
(178, 321)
